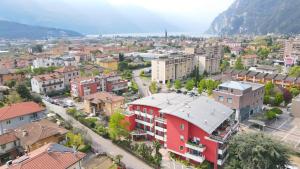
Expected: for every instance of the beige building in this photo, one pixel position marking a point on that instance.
(102, 103)
(249, 60)
(292, 48)
(172, 68)
(296, 107)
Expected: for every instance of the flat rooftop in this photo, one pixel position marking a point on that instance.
(241, 85)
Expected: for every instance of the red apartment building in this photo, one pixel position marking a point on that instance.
(194, 128)
(84, 86)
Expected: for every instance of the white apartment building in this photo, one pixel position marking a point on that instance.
(46, 62)
(208, 57)
(48, 83)
(292, 49)
(172, 68)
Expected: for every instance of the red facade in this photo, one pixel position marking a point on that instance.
(174, 133)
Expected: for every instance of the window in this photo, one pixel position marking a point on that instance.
(181, 137)
(221, 98)
(181, 148)
(182, 126)
(21, 118)
(229, 100)
(8, 122)
(145, 110)
(138, 108)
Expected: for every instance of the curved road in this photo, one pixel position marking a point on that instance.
(99, 143)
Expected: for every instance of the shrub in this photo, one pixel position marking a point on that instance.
(84, 148)
(270, 115)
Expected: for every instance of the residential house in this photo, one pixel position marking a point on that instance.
(48, 83)
(195, 129)
(84, 86)
(244, 98)
(103, 103)
(69, 73)
(49, 156)
(249, 60)
(9, 147)
(15, 115)
(10, 74)
(38, 133)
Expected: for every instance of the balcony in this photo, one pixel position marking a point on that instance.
(160, 129)
(198, 147)
(52, 84)
(224, 131)
(222, 149)
(143, 114)
(195, 157)
(150, 133)
(162, 138)
(222, 161)
(144, 122)
(161, 120)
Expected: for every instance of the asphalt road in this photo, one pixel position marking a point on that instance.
(99, 143)
(142, 84)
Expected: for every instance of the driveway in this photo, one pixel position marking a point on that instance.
(99, 143)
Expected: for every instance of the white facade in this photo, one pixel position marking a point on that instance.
(9, 146)
(48, 85)
(46, 62)
(6, 125)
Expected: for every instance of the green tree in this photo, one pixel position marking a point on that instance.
(118, 158)
(224, 65)
(153, 87)
(295, 71)
(278, 99)
(169, 84)
(239, 64)
(24, 92)
(189, 85)
(227, 49)
(256, 150)
(121, 57)
(117, 127)
(269, 88)
(13, 97)
(267, 99)
(123, 65)
(10, 83)
(295, 92)
(74, 140)
(263, 53)
(134, 87)
(177, 84)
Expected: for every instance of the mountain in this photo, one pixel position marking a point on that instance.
(13, 30)
(87, 17)
(258, 17)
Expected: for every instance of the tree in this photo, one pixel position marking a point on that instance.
(189, 85)
(117, 127)
(267, 99)
(256, 150)
(263, 53)
(13, 97)
(74, 140)
(153, 87)
(10, 83)
(123, 65)
(239, 64)
(118, 158)
(169, 85)
(177, 84)
(121, 57)
(134, 87)
(278, 99)
(24, 92)
(295, 71)
(295, 92)
(287, 96)
(142, 73)
(224, 65)
(269, 88)
(227, 49)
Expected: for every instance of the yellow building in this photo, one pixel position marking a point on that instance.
(108, 63)
(103, 103)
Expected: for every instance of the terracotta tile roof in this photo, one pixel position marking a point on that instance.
(47, 77)
(103, 97)
(19, 109)
(67, 69)
(7, 138)
(50, 156)
(37, 131)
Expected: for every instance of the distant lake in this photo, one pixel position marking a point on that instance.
(159, 34)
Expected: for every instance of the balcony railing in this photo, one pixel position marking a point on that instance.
(161, 120)
(144, 122)
(225, 134)
(53, 83)
(195, 157)
(222, 161)
(158, 128)
(143, 114)
(222, 149)
(162, 138)
(197, 147)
